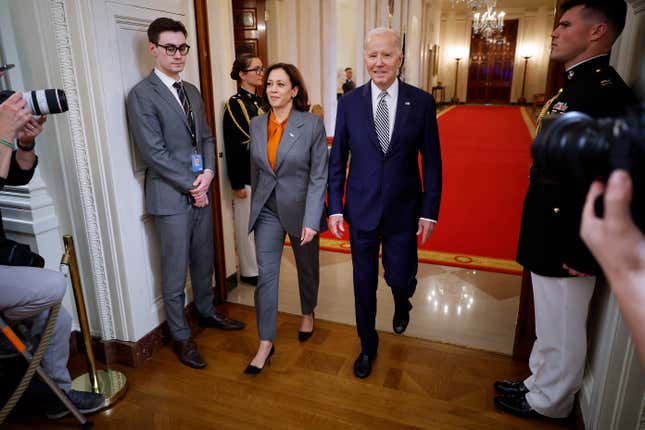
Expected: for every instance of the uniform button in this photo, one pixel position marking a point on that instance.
(556, 210)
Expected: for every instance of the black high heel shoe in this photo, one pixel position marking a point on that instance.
(253, 370)
(303, 336)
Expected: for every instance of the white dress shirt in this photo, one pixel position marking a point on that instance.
(168, 81)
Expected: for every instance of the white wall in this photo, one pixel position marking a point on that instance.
(222, 55)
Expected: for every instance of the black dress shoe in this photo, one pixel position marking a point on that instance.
(363, 366)
(220, 321)
(252, 280)
(401, 318)
(511, 388)
(516, 405)
(303, 336)
(188, 354)
(252, 370)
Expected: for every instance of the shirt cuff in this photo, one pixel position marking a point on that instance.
(434, 221)
(340, 215)
(209, 170)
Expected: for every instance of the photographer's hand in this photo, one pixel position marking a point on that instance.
(26, 156)
(30, 130)
(619, 246)
(14, 114)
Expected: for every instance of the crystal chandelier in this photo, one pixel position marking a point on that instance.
(475, 5)
(489, 22)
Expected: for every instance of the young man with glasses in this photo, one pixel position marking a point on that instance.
(169, 126)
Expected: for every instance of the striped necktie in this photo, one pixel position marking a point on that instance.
(382, 122)
(185, 104)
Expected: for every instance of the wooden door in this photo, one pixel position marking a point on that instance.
(490, 73)
(249, 28)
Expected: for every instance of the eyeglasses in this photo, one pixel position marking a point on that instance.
(259, 70)
(172, 49)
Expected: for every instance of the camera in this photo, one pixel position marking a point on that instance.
(575, 148)
(42, 102)
(18, 254)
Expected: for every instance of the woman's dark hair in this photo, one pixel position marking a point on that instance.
(160, 25)
(301, 100)
(241, 64)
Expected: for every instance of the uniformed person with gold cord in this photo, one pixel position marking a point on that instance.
(562, 268)
(248, 72)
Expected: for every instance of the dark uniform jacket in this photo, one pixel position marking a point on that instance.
(549, 235)
(348, 86)
(238, 112)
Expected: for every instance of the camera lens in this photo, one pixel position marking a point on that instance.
(572, 147)
(49, 101)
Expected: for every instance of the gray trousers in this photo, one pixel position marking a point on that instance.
(269, 242)
(26, 294)
(186, 240)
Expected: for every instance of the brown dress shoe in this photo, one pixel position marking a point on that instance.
(220, 321)
(188, 354)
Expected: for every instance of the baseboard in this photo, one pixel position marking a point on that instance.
(133, 354)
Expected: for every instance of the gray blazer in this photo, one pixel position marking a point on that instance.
(162, 134)
(300, 178)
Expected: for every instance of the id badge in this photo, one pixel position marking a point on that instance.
(197, 163)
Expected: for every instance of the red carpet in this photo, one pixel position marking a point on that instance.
(486, 158)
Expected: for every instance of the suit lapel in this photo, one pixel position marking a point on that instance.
(263, 139)
(369, 114)
(403, 107)
(290, 136)
(168, 97)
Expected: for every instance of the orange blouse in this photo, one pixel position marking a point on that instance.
(275, 131)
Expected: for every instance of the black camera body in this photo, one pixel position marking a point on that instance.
(576, 148)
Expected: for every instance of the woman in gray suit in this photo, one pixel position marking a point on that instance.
(288, 179)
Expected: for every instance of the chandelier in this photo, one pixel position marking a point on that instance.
(475, 5)
(488, 23)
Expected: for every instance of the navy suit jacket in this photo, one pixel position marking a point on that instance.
(386, 190)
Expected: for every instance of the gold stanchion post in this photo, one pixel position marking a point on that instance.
(111, 383)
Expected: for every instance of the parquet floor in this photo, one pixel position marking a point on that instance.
(415, 384)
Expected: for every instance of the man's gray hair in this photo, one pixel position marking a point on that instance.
(383, 30)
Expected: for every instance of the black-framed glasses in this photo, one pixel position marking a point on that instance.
(259, 70)
(172, 49)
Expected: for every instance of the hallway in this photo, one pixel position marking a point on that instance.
(471, 308)
(415, 385)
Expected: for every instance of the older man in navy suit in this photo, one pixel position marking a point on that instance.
(385, 125)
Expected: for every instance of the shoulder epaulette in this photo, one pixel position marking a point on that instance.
(237, 124)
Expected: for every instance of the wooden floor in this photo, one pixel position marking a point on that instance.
(415, 384)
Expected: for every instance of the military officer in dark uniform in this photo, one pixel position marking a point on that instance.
(239, 109)
(562, 268)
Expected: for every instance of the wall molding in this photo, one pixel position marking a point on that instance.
(83, 170)
(637, 5)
